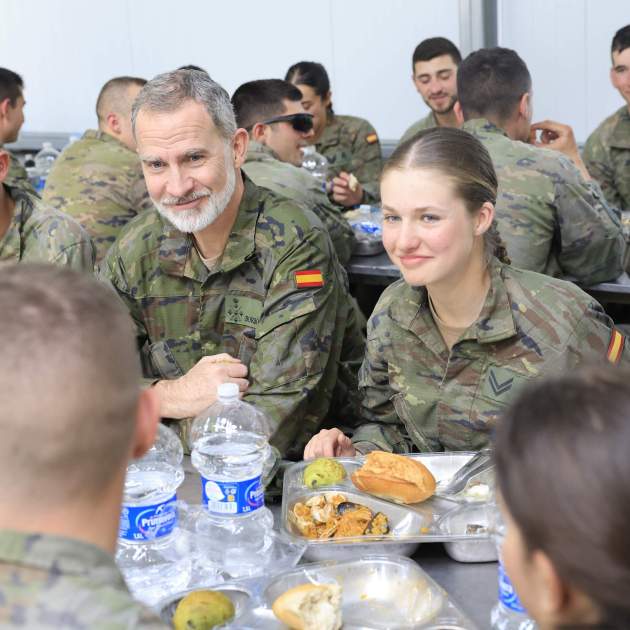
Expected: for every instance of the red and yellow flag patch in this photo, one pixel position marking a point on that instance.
(309, 278)
(615, 347)
(371, 138)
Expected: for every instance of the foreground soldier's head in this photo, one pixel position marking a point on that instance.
(620, 71)
(72, 413)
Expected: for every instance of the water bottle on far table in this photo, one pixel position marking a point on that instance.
(43, 163)
(153, 553)
(316, 164)
(507, 613)
(230, 449)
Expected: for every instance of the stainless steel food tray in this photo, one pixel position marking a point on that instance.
(378, 592)
(435, 520)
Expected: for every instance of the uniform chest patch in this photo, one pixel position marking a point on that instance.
(242, 311)
(501, 383)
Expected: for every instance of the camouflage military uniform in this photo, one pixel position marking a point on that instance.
(98, 181)
(254, 306)
(17, 176)
(607, 157)
(428, 122)
(41, 234)
(551, 219)
(54, 582)
(351, 144)
(266, 170)
(418, 395)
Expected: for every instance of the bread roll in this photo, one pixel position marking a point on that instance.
(310, 607)
(353, 182)
(394, 477)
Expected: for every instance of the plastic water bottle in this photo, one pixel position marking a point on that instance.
(43, 163)
(153, 553)
(508, 613)
(230, 449)
(316, 164)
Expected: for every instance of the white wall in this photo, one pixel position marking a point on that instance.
(66, 49)
(566, 45)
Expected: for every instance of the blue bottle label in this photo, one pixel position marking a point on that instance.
(507, 594)
(148, 522)
(232, 497)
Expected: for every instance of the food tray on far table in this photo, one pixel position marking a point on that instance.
(462, 522)
(378, 592)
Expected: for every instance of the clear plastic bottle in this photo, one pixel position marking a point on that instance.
(153, 553)
(43, 163)
(508, 613)
(316, 164)
(230, 449)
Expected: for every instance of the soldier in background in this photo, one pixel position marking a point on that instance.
(98, 179)
(607, 150)
(226, 280)
(72, 416)
(434, 74)
(32, 232)
(271, 111)
(350, 144)
(452, 342)
(11, 120)
(552, 216)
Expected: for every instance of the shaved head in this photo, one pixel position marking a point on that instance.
(116, 97)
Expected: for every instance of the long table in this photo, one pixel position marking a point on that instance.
(379, 270)
(472, 586)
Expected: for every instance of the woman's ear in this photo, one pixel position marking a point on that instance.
(485, 216)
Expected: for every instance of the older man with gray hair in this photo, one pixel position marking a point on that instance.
(227, 281)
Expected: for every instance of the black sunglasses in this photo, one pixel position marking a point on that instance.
(301, 122)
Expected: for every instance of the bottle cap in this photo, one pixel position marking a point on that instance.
(228, 390)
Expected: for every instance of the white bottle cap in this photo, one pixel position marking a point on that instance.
(228, 390)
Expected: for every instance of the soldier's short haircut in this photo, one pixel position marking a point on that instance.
(169, 91)
(621, 40)
(491, 82)
(113, 96)
(462, 159)
(11, 86)
(70, 384)
(256, 101)
(434, 47)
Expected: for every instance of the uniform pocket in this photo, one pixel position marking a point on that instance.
(418, 422)
(162, 361)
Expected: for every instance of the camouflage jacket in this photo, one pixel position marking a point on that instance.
(607, 157)
(428, 122)
(266, 170)
(351, 144)
(98, 181)
(418, 395)
(54, 582)
(292, 331)
(17, 176)
(41, 234)
(551, 219)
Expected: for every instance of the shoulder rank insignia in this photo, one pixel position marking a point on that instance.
(371, 138)
(309, 278)
(615, 347)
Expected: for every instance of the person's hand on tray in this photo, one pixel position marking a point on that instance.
(329, 443)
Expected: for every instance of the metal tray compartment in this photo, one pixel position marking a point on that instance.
(378, 592)
(409, 524)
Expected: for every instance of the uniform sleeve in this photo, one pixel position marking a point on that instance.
(597, 160)
(383, 429)
(71, 246)
(297, 342)
(591, 241)
(367, 162)
(18, 177)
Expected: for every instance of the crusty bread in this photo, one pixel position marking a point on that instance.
(394, 477)
(310, 607)
(353, 182)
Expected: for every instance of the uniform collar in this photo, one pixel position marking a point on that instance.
(257, 152)
(495, 322)
(11, 242)
(483, 125)
(97, 134)
(178, 255)
(620, 136)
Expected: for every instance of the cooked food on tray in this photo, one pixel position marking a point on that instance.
(310, 607)
(323, 472)
(395, 478)
(202, 610)
(330, 515)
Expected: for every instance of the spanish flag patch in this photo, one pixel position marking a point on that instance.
(615, 347)
(309, 278)
(371, 138)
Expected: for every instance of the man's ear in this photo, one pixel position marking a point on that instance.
(4, 165)
(5, 104)
(240, 142)
(525, 106)
(113, 124)
(147, 419)
(258, 132)
(459, 114)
